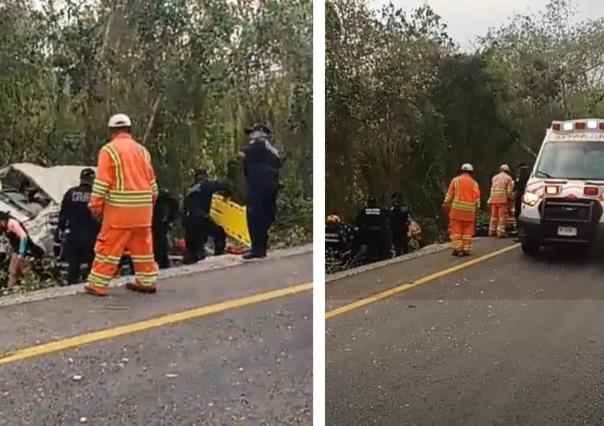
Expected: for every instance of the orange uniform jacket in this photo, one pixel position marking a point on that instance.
(502, 187)
(463, 198)
(125, 188)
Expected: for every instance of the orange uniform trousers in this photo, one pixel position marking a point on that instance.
(111, 245)
(499, 219)
(461, 233)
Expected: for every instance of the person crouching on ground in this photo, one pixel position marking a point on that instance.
(20, 243)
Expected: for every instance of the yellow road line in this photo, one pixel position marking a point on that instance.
(111, 333)
(406, 286)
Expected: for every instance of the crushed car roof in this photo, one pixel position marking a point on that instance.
(54, 181)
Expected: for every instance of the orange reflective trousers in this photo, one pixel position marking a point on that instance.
(499, 220)
(461, 234)
(111, 245)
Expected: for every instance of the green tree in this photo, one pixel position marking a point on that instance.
(191, 74)
(406, 107)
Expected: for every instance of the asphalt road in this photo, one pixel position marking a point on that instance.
(508, 341)
(248, 365)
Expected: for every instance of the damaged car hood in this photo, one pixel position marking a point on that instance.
(33, 195)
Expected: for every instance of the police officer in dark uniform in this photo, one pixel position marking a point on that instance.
(165, 213)
(79, 226)
(261, 163)
(399, 224)
(198, 223)
(374, 230)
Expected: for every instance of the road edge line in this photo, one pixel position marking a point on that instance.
(424, 251)
(209, 265)
(16, 355)
(420, 281)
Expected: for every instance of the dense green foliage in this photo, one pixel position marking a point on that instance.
(406, 106)
(190, 73)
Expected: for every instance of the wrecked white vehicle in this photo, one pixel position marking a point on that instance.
(33, 195)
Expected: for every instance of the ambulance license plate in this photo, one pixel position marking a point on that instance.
(567, 231)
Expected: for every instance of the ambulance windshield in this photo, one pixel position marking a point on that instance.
(572, 160)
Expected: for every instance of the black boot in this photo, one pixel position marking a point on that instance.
(251, 256)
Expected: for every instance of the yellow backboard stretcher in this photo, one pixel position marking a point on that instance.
(232, 218)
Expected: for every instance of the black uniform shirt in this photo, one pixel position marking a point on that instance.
(372, 219)
(75, 213)
(199, 198)
(399, 217)
(262, 164)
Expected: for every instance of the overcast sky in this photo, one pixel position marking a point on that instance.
(467, 19)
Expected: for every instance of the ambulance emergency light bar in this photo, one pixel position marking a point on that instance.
(569, 126)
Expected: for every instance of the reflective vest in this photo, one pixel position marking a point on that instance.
(463, 198)
(125, 189)
(502, 187)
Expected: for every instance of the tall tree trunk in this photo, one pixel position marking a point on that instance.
(152, 118)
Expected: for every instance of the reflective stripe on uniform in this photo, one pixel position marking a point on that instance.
(130, 198)
(476, 191)
(112, 260)
(147, 274)
(97, 278)
(100, 188)
(154, 188)
(119, 170)
(146, 154)
(467, 206)
(142, 259)
(464, 205)
(146, 277)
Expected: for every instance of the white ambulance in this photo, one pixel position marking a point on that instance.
(563, 200)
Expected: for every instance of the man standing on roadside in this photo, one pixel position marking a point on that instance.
(374, 230)
(261, 163)
(502, 186)
(462, 203)
(123, 196)
(399, 224)
(165, 213)
(79, 226)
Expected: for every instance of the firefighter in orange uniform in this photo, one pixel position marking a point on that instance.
(502, 187)
(462, 203)
(123, 196)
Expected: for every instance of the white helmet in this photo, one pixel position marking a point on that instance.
(467, 167)
(505, 168)
(119, 120)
